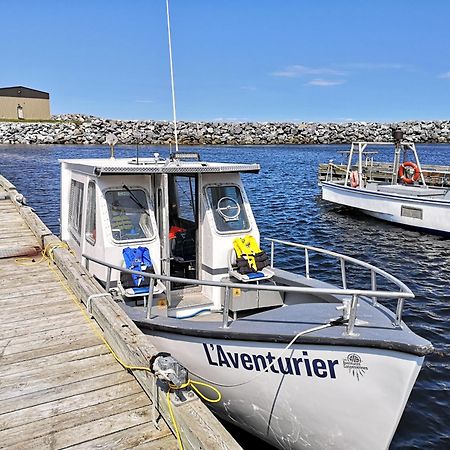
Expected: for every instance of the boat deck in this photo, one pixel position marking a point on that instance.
(60, 387)
(414, 191)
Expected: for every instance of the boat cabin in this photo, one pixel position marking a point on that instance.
(186, 212)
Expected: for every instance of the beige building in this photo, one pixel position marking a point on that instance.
(19, 102)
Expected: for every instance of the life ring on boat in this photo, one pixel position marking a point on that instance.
(354, 179)
(403, 173)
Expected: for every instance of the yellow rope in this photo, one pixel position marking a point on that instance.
(192, 384)
(172, 418)
(47, 255)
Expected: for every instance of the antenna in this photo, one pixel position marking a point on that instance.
(171, 78)
(137, 136)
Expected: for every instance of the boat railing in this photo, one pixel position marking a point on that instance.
(349, 314)
(404, 291)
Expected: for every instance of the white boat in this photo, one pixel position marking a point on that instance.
(406, 199)
(300, 363)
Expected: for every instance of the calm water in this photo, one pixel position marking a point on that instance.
(286, 203)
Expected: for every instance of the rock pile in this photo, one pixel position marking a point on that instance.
(82, 129)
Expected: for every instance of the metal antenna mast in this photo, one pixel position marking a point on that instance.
(171, 78)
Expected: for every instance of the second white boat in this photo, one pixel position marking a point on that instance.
(406, 200)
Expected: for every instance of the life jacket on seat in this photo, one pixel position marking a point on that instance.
(249, 257)
(136, 259)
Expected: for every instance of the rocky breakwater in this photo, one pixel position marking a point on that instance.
(81, 129)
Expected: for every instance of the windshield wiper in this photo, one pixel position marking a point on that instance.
(135, 200)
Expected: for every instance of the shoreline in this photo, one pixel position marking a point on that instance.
(80, 129)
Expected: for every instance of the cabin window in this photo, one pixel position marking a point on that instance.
(75, 209)
(228, 208)
(128, 214)
(182, 193)
(91, 229)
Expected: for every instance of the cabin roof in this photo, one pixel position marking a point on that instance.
(103, 166)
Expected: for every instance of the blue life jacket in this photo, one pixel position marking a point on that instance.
(137, 259)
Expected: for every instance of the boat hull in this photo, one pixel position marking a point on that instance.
(421, 213)
(314, 396)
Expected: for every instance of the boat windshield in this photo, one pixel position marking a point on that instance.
(228, 208)
(128, 214)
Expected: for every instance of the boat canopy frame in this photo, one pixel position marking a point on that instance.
(359, 148)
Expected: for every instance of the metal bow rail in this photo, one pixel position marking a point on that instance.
(349, 315)
(374, 293)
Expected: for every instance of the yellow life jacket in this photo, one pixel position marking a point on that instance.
(247, 248)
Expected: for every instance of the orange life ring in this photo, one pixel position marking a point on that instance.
(354, 179)
(403, 174)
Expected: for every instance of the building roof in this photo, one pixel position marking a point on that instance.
(23, 92)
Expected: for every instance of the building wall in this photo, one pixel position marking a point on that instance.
(32, 108)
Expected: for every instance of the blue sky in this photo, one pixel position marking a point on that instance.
(315, 60)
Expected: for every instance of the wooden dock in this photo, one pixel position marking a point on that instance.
(60, 386)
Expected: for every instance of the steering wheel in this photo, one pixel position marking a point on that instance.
(225, 208)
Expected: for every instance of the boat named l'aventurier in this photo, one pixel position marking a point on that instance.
(300, 363)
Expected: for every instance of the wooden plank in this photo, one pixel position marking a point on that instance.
(36, 323)
(44, 337)
(51, 360)
(23, 277)
(25, 266)
(31, 312)
(12, 222)
(68, 404)
(20, 270)
(6, 204)
(11, 307)
(67, 429)
(30, 327)
(10, 289)
(36, 225)
(58, 370)
(10, 209)
(30, 288)
(86, 339)
(19, 229)
(6, 184)
(15, 385)
(143, 436)
(52, 291)
(24, 240)
(84, 385)
(9, 347)
(13, 251)
(33, 300)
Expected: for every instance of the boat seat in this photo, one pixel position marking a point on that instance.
(243, 271)
(131, 285)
